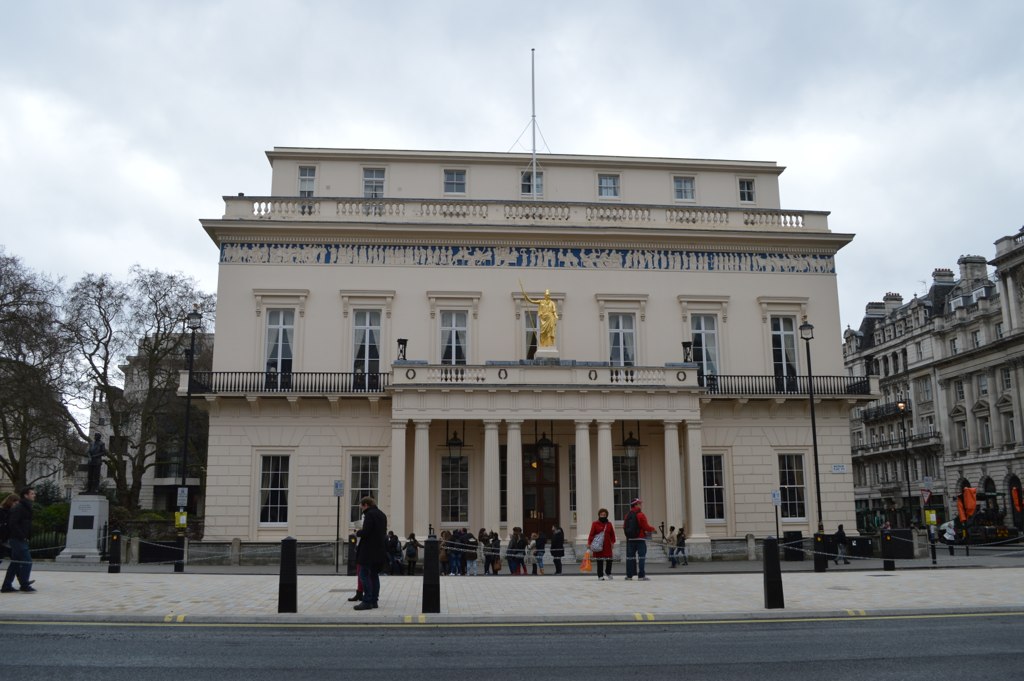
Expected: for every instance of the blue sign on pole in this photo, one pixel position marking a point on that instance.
(339, 488)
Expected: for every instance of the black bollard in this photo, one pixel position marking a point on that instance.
(888, 564)
(350, 556)
(773, 595)
(287, 593)
(431, 575)
(820, 556)
(931, 543)
(179, 565)
(114, 553)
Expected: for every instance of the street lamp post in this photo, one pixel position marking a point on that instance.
(902, 406)
(820, 557)
(194, 320)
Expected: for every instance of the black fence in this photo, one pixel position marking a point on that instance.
(317, 382)
(776, 385)
(47, 545)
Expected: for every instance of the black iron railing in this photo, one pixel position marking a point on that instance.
(220, 382)
(884, 411)
(783, 385)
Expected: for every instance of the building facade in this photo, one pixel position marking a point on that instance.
(949, 364)
(377, 333)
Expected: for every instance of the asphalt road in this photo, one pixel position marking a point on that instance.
(898, 648)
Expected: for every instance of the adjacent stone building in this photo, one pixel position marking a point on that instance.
(950, 365)
(377, 333)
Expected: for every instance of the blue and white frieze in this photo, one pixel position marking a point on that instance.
(669, 260)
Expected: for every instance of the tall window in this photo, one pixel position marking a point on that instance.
(454, 331)
(366, 343)
(982, 384)
(1007, 378)
(958, 390)
(532, 330)
(705, 342)
(714, 487)
(307, 180)
(454, 489)
(784, 362)
(975, 339)
(608, 186)
(924, 390)
(1009, 429)
(622, 339)
(526, 184)
(747, 190)
(373, 183)
(685, 188)
(626, 480)
(954, 346)
(280, 340)
(365, 482)
(274, 490)
(791, 485)
(572, 480)
(454, 181)
(961, 430)
(984, 432)
(999, 329)
(502, 484)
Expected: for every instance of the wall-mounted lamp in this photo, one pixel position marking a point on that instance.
(631, 444)
(402, 344)
(687, 351)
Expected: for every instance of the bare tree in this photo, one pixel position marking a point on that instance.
(38, 432)
(132, 340)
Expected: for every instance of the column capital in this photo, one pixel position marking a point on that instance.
(582, 423)
(604, 424)
(422, 424)
(399, 423)
(513, 423)
(491, 423)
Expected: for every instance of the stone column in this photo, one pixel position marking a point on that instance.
(396, 509)
(673, 477)
(584, 510)
(492, 476)
(514, 476)
(421, 480)
(695, 528)
(605, 477)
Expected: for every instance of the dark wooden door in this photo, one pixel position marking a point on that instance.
(540, 492)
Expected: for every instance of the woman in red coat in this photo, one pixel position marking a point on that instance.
(602, 550)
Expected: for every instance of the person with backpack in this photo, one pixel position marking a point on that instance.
(637, 530)
(412, 547)
(5, 529)
(471, 554)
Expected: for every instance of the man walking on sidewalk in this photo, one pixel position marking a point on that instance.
(20, 525)
(637, 530)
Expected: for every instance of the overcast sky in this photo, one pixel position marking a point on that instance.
(123, 123)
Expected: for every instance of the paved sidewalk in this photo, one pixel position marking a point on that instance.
(701, 591)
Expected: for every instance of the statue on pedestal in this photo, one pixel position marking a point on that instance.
(547, 317)
(96, 453)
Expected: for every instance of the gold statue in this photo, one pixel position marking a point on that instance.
(547, 316)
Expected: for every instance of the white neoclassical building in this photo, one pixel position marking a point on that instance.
(374, 329)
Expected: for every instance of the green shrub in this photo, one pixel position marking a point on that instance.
(52, 518)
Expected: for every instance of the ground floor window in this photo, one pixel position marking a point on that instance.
(626, 476)
(364, 482)
(791, 485)
(274, 490)
(454, 489)
(714, 487)
(503, 485)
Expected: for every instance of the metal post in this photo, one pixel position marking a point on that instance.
(194, 320)
(906, 460)
(820, 558)
(773, 594)
(431, 575)
(350, 557)
(287, 592)
(888, 564)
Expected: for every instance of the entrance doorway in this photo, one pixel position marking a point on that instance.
(540, 491)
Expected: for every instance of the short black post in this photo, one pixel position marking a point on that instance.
(820, 557)
(288, 588)
(431, 575)
(773, 596)
(114, 553)
(179, 565)
(931, 543)
(350, 556)
(888, 564)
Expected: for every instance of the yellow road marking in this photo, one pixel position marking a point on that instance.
(174, 618)
(420, 619)
(854, 613)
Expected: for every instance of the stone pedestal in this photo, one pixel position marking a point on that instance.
(88, 517)
(547, 354)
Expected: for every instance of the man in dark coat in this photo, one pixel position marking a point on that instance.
(20, 527)
(371, 552)
(557, 547)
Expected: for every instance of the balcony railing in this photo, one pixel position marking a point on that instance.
(884, 411)
(783, 385)
(314, 382)
(895, 444)
(344, 209)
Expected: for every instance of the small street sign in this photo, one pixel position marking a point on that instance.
(182, 497)
(839, 468)
(776, 498)
(927, 482)
(339, 488)
(926, 496)
(180, 519)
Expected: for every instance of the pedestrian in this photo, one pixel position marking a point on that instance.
(394, 549)
(669, 540)
(601, 542)
(557, 547)
(840, 538)
(442, 554)
(539, 547)
(680, 540)
(412, 547)
(495, 555)
(513, 555)
(20, 527)
(531, 554)
(371, 553)
(949, 535)
(472, 554)
(455, 553)
(637, 530)
(5, 528)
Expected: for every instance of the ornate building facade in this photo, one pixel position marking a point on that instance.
(951, 366)
(377, 333)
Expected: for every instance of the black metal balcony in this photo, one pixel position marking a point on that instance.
(884, 411)
(717, 384)
(307, 382)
